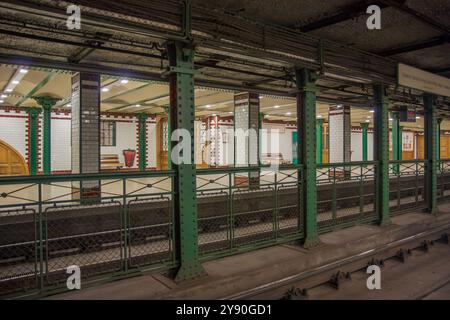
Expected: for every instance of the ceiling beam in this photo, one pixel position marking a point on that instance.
(415, 46)
(343, 14)
(418, 15)
(39, 86)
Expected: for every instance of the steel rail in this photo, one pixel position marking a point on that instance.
(335, 264)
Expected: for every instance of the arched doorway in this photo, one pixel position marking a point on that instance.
(11, 161)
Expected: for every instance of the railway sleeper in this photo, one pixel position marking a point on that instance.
(403, 255)
(296, 294)
(338, 278)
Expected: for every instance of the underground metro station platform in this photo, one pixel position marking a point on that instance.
(236, 150)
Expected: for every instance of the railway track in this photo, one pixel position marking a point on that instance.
(322, 282)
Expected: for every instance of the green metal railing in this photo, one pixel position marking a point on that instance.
(121, 226)
(237, 213)
(444, 180)
(345, 194)
(406, 185)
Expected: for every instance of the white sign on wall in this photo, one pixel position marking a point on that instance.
(421, 80)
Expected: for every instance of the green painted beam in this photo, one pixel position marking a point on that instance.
(381, 152)
(306, 129)
(39, 86)
(126, 92)
(431, 156)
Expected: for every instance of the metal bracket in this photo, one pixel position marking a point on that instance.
(403, 254)
(337, 279)
(296, 294)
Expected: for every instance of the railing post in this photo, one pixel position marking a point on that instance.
(33, 118)
(306, 131)
(381, 152)
(182, 115)
(430, 153)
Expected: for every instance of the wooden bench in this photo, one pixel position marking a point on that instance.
(110, 161)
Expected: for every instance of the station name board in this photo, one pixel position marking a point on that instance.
(421, 80)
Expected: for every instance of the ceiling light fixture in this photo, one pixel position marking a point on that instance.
(1, 101)
(9, 90)
(105, 89)
(276, 107)
(15, 82)
(208, 106)
(124, 81)
(372, 111)
(4, 96)
(288, 113)
(23, 71)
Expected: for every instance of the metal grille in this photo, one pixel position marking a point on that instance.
(105, 226)
(444, 180)
(406, 187)
(345, 195)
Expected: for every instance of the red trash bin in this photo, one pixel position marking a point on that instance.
(129, 156)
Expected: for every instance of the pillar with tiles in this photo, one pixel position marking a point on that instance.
(340, 138)
(246, 126)
(85, 134)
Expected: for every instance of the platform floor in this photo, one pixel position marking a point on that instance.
(229, 275)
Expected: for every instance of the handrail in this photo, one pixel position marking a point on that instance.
(83, 177)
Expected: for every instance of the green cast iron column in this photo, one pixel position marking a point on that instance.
(33, 114)
(181, 75)
(47, 104)
(400, 143)
(306, 128)
(395, 140)
(430, 153)
(142, 117)
(381, 153)
(319, 138)
(439, 121)
(364, 127)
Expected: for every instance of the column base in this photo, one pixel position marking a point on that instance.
(188, 272)
(385, 222)
(311, 242)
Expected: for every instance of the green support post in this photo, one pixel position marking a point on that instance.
(381, 153)
(430, 153)
(33, 114)
(400, 143)
(142, 117)
(260, 127)
(364, 127)
(306, 128)
(47, 103)
(181, 75)
(319, 138)
(169, 136)
(395, 140)
(439, 122)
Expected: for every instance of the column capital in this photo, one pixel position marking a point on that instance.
(142, 116)
(34, 112)
(364, 125)
(306, 79)
(46, 102)
(320, 121)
